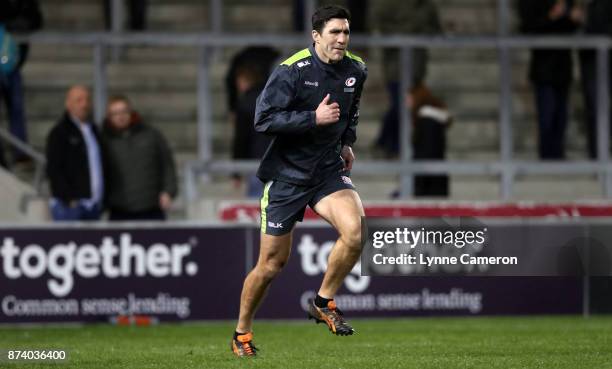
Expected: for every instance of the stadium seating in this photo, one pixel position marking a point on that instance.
(146, 71)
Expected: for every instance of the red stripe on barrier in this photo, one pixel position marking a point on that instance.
(234, 211)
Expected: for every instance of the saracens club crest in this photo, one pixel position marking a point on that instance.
(350, 82)
(347, 180)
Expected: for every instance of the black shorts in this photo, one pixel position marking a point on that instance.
(283, 204)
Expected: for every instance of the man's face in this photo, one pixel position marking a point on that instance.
(119, 115)
(332, 42)
(78, 103)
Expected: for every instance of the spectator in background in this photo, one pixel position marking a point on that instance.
(248, 71)
(249, 144)
(18, 16)
(141, 175)
(430, 121)
(598, 21)
(401, 17)
(550, 70)
(75, 161)
(137, 10)
(258, 58)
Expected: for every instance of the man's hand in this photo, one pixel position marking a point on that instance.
(348, 157)
(327, 113)
(165, 201)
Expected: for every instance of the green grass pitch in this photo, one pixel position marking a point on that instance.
(508, 342)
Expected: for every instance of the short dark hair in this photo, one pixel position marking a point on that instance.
(324, 13)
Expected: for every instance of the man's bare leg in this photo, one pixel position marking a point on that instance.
(273, 255)
(343, 210)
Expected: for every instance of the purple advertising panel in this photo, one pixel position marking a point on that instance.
(378, 296)
(93, 274)
(169, 272)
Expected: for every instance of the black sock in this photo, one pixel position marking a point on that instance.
(321, 302)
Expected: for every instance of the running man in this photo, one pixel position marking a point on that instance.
(310, 106)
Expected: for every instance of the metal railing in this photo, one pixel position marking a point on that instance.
(507, 168)
(27, 150)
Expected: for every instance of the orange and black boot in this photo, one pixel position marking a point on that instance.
(242, 345)
(332, 316)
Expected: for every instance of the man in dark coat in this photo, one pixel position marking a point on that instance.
(75, 161)
(140, 175)
(247, 143)
(550, 70)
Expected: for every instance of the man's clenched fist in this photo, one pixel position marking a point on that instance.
(327, 113)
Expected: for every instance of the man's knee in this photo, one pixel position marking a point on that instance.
(271, 268)
(350, 234)
(274, 255)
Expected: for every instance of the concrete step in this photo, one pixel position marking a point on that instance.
(182, 54)
(469, 17)
(145, 71)
(183, 135)
(462, 188)
(178, 15)
(14, 197)
(461, 145)
(256, 16)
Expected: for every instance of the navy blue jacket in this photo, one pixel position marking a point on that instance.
(301, 152)
(548, 66)
(67, 164)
